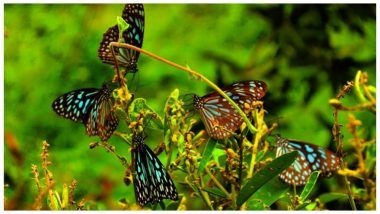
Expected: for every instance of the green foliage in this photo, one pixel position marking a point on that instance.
(207, 153)
(264, 175)
(305, 53)
(309, 185)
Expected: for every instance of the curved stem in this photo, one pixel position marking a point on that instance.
(357, 87)
(338, 141)
(194, 73)
(217, 183)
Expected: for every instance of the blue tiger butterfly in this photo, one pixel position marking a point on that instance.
(90, 106)
(151, 181)
(217, 114)
(133, 14)
(310, 158)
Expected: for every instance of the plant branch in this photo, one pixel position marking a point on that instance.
(112, 150)
(217, 183)
(338, 139)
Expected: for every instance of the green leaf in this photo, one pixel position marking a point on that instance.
(174, 204)
(162, 205)
(303, 206)
(255, 204)
(260, 155)
(311, 206)
(122, 25)
(271, 191)
(215, 191)
(329, 197)
(65, 197)
(264, 175)
(207, 154)
(309, 185)
(371, 157)
(53, 205)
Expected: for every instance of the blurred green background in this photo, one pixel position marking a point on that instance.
(305, 53)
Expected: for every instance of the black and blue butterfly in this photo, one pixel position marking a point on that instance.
(91, 106)
(151, 181)
(310, 158)
(133, 14)
(218, 115)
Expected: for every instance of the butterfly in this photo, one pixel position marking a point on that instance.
(152, 182)
(218, 115)
(133, 14)
(310, 158)
(90, 106)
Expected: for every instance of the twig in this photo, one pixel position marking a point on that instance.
(240, 170)
(48, 178)
(338, 139)
(109, 148)
(255, 145)
(71, 194)
(217, 183)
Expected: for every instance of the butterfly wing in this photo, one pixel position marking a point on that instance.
(321, 159)
(75, 105)
(245, 91)
(104, 51)
(133, 14)
(160, 178)
(107, 120)
(311, 158)
(152, 181)
(298, 173)
(219, 117)
(141, 176)
(102, 120)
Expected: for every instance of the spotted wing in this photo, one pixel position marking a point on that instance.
(133, 14)
(152, 181)
(75, 105)
(298, 173)
(141, 176)
(104, 51)
(219, 117)
(311, 158)
(329, 162)
(245, 91)
(102, 120)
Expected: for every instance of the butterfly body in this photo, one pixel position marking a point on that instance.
(133, 14)
(310, 158)
(219, 116)
(90, 106)
(152, 182)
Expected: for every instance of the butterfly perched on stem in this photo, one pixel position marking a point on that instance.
(151, 181)
(90, 106)
(218, 115)
(310, 158)
(133, 14)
